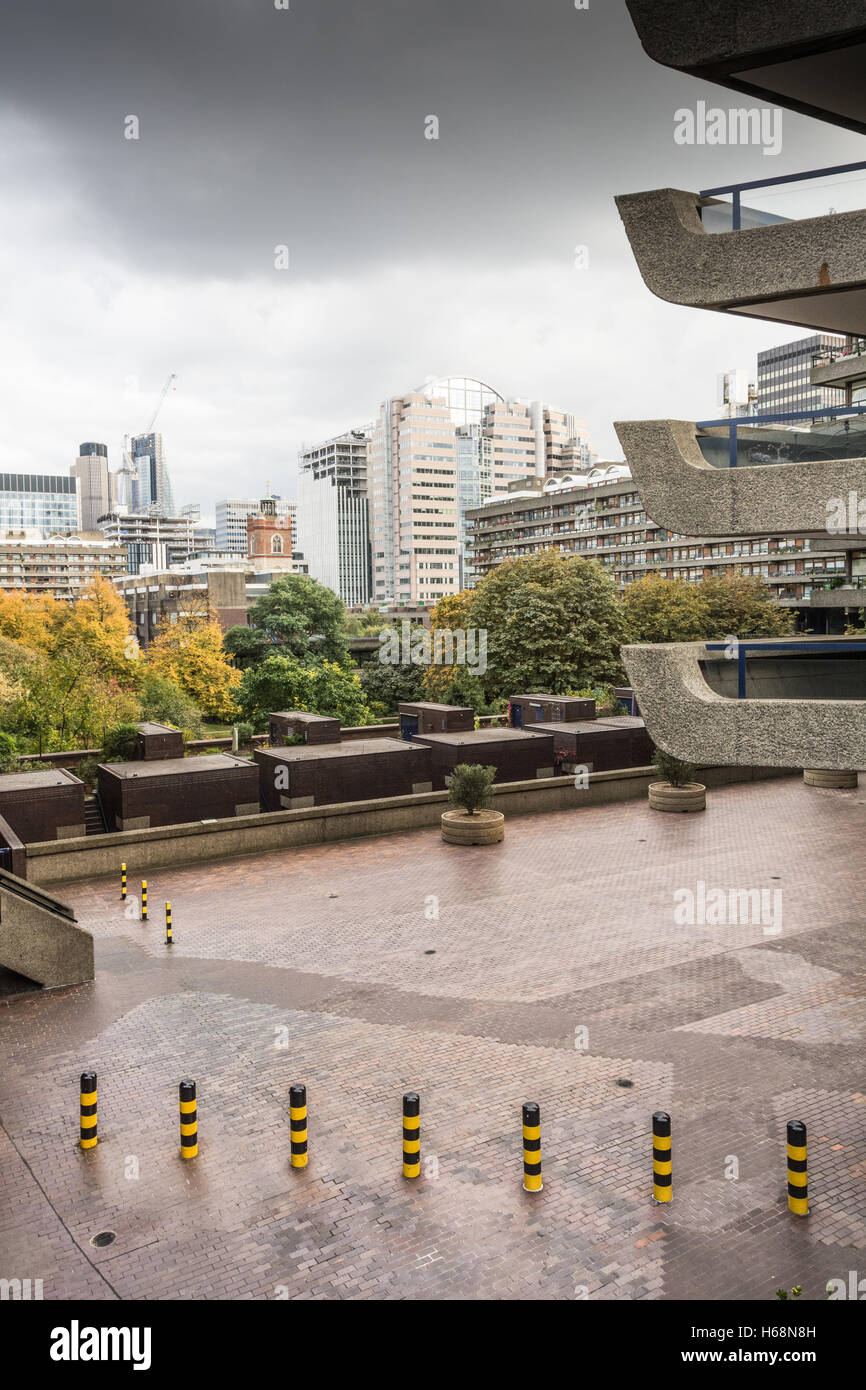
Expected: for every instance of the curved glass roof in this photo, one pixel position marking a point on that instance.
(466, 396)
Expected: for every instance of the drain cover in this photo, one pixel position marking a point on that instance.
(103, 1238)
(624, 1082)
(429, 953)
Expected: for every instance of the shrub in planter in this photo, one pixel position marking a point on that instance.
(469, 786)
(678, 791)
(470, 822)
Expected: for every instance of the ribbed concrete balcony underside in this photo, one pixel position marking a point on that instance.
(808, 55)
(687, 718)
(683, 493)
(811, 272)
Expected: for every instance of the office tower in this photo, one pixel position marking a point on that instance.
(48, 502)
(151, 485)
(333, 515)
(785, 375)
(94, 482)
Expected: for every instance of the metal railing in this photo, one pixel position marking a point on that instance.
(737, 189)
(784, 644)
(786, 418)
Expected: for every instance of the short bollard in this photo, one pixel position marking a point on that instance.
(662, 1179)
(144, 900)
(168, 924)
(532, 1147)
(188, 1120)
(798, 1177)
(298, 1125)
(123, 883)
(411, 1135)
(88, 1110)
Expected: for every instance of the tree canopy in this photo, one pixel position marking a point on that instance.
(298, 617)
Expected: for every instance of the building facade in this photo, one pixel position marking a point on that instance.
(602, 517)
(333, 514)
(150, 539)
(151, 485)
(94, 483)
(785, 376)
(231, 520)
(437, 453)
(45, 502)
(62, 566)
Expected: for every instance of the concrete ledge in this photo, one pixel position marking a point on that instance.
(145, 850)
(683, 493)
(39, 937)
(686, 717)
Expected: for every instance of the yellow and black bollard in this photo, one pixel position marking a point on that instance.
(123, 883)
(88, 1110)
(411, 1135)
(532, 1147)
(298, 1125)
(188, 1120)
(798, 1177)
(144, 900)
(663, 1190)
(168, 924)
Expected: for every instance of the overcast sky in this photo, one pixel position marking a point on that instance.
(124, 260)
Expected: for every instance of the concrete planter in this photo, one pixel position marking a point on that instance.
(664, 797)
(484, 828)
(820, 777)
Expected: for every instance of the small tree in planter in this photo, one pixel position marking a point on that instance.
(471, 822)
(677, 791)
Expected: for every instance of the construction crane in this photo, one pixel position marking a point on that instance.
(165, 390)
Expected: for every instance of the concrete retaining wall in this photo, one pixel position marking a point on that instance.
(39, 937)
(144, 850)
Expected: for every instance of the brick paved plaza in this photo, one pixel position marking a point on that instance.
(329, 966)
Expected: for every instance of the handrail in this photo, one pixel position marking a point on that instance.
(732, 423)
(783, 643)
(736, 189)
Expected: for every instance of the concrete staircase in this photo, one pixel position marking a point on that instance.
(94, 820)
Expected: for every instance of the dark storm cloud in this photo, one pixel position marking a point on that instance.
(122, 260)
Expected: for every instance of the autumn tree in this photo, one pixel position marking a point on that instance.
(190, 652)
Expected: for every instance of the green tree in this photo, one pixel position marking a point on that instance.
(742, 605)
(247, 645)
(163, 701)
(300, 618)
(386, 686)
(665, 610)
(283, 683)
(553, 623)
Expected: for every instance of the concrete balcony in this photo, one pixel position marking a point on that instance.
(806, 56)
(688, 712)
(810, 272)
(684, 493)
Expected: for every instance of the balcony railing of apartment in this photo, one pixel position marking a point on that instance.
(786, 644)
(844, 437)
(735, 217)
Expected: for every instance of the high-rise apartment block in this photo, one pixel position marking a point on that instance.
(440, 451)
(785, 376)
